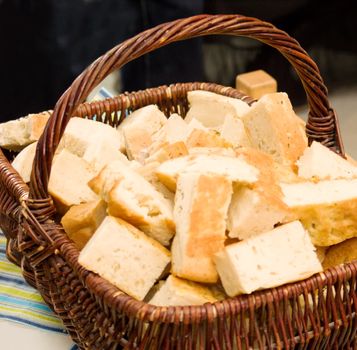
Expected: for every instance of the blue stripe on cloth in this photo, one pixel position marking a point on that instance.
(31, 323)
(20, 303)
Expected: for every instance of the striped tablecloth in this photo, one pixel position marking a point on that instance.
(19, 302)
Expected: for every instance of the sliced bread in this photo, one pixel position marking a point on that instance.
(125, 256)
(267, 260)
(341, 253)
(131, 197)
(319, 162)
(138, 129)
(179, 292)
(81, 221)
(68, 183)
(327, 209)
(16, 134)
(237, 170)
(273, 127)
(24, 160)
(211, 109)
(200, 212)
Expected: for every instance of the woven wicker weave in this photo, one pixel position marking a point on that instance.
(317, 313)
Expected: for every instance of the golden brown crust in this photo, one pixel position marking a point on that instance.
(341, 253)
(331, 223)
(203, 138)
(37, 124)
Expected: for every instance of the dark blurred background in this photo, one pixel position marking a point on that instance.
(45, 44)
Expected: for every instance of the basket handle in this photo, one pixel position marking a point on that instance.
(322, 124)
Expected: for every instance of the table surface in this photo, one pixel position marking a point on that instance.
(18, 337)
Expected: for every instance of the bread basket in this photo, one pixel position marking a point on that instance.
(317, 313)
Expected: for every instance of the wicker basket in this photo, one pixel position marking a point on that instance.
(317, 313)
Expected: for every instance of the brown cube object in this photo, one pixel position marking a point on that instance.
(256, 84)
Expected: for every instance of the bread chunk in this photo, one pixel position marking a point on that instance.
(125, 256)
(134, 199)
(179, 292)
(68, 183)
(24, 160)
(327, 209)
(341, 253)
(97, 143)
(253, 211)
(200, 212)
(267, 260)
(138, 129)
(237, 170)
(212, 109)
(81, 221)
(17, 134)
(273, 128)
(319, 162)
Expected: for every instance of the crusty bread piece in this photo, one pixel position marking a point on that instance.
(179, 292)
(341, 253)
(81, 221)
(267, 260)
(16, 134)
(211, 109)
(125, 256)
(228, 152)
(68, 181)
(237, 170)
(24, 160)
(138, 129)
(253, 211)
(206, 138)
(270, 172)
(200, 212)
(321, 253)
(148, 171)
(272, 127)
(95, 142)
(168, 151)
(319, 162)
(259, 207)
(233, 131)
(134, 199)
(327, 209)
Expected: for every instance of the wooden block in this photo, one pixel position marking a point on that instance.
(256, 84)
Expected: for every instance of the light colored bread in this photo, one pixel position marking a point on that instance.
(237, 170)
(206, 138)
(138, 129)
(125, 256)
(81, 221)
(24, 160)
(270, 172)
(272, 127)
(97, 143)
(200, 212)
(351, 160)
(267, 260)
(318, 162)
(134, 199)
(16, 134)
(68, 181)
(179, 292)
(168, 151)
(341, 253)
(327, 209)
(233, 131)
(148, 171)
(253, 211)
(228, 152)
(211, 109)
